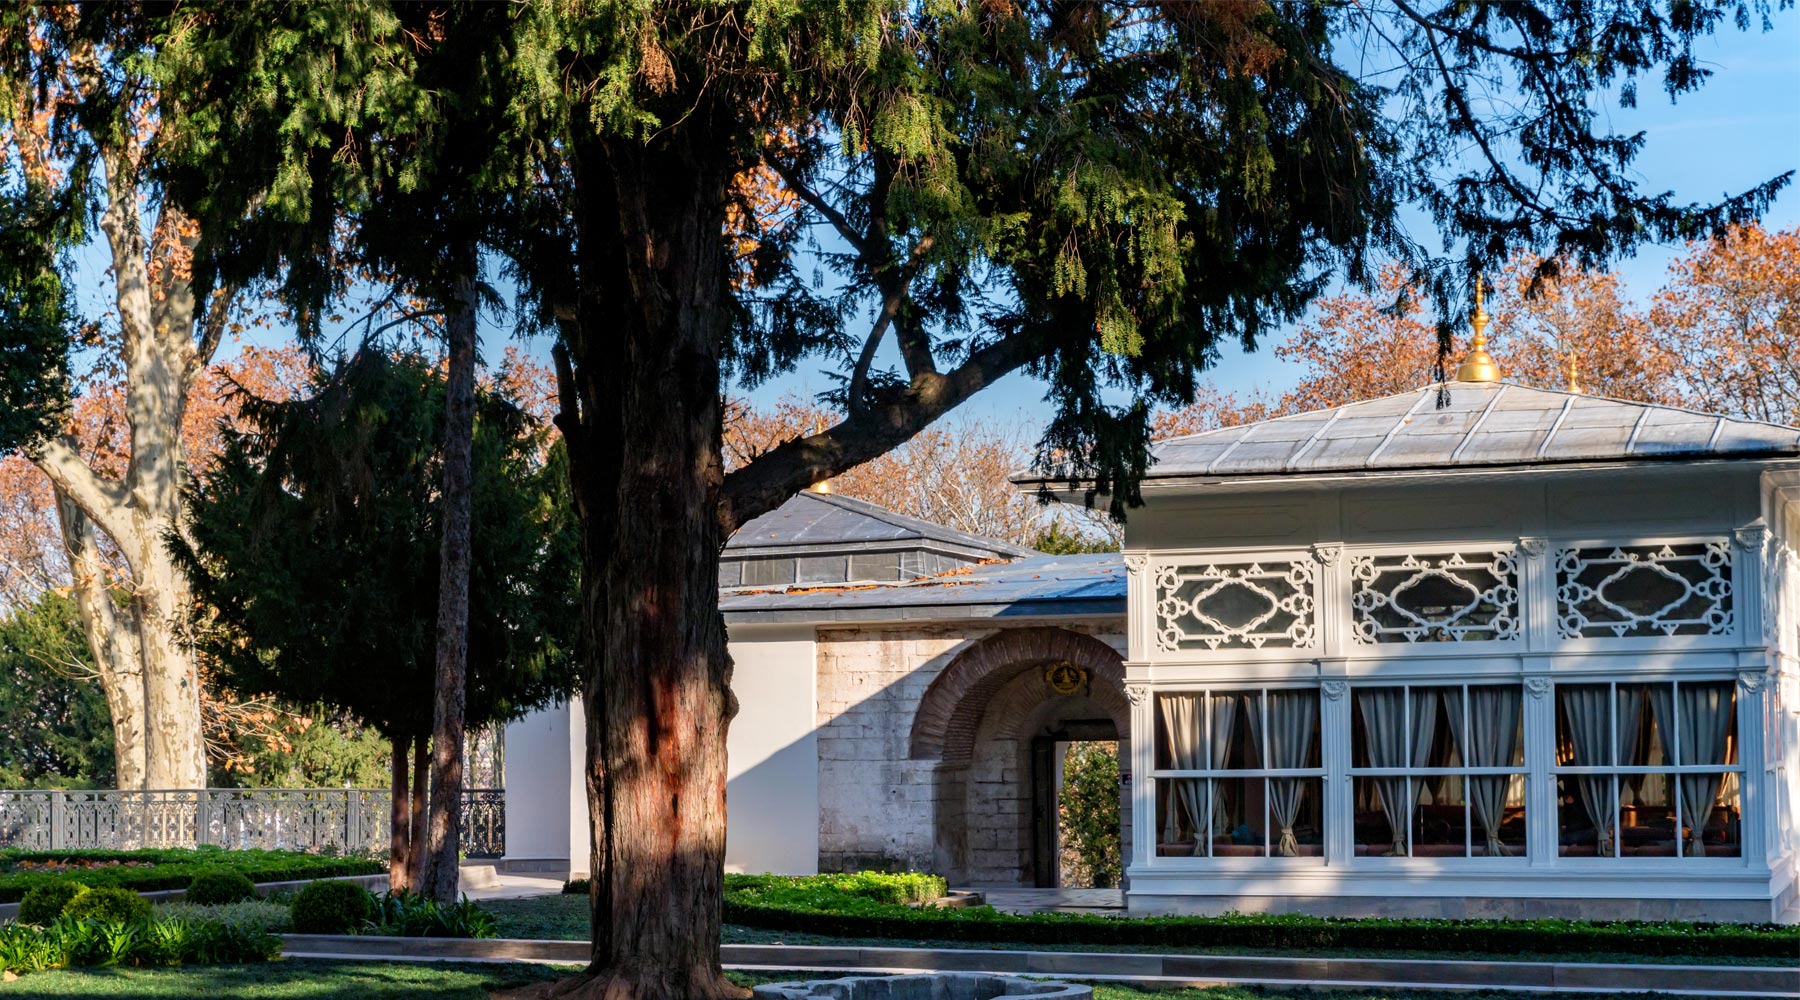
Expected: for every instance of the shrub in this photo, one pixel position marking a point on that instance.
(331, 908)
(406, 915)
(1090, 814)
(222, 886)
(69, 942)
(44, 903)
(108, 904)
(255, 915)
(820, 905)
(575, 887)
(170, 868)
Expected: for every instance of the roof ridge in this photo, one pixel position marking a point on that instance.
(919, 525)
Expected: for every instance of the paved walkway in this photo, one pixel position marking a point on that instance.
(1015, 900)
(509, 886)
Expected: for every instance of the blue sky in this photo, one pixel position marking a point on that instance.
(1742, 127)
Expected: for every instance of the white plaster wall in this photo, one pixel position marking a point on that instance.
(537, 786)
(772, 790)
(579, 836)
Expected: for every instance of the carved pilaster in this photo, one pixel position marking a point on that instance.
(1335, 690)
(1327, 555)
(1537, 687)
(1750, 538)
(1752, 681)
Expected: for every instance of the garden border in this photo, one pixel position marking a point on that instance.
(1152, 971)
(10, 911)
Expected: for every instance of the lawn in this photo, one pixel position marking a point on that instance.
(307, 980)
(565, 918)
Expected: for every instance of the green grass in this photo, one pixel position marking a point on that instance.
(309, 980)
(565, 918)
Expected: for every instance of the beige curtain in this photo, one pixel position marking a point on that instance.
(1181, 721)
(1492, 740)
(1384, 734)
(1293, 716)
(1224, 716)
(1702, 712)
(1587, 714)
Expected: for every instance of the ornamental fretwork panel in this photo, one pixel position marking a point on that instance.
(1435, 597)
(1242, 605)
(1627, 591)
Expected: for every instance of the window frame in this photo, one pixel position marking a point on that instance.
(1522, 769)
(1158, 775)
(1557, 770)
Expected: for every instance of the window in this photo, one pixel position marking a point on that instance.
(1438, 771)
(1235, 606)
(1648, 770)
(1238, 774)
(1644, 590)
(1442, 597)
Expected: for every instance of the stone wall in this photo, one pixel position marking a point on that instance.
(884, 804)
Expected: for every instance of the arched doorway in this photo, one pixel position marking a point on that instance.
(993, 722)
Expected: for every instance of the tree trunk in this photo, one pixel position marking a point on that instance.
(111, 639)
(453, 596)
(417, 855)
(646, 470)
(400, 820)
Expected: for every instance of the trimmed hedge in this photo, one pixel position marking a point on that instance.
(332, 908)
(221, 886)
(108, 904)
(826, 905)
(173, 868)
(44, 903)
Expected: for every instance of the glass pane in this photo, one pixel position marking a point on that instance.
(1292, 736)
(1180, 816)
(1584, 809)
(1584, 725)
(1240, 809)
(1181, 732)
(1439, 820)
(1379, 814)
(1241, 750)
(1721, 829)
(1647, 816)
(1235, 606)
(1296, 827)
(1496, 736)
(1497, 812)
(1644, 590)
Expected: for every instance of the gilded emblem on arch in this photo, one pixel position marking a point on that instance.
(1065, 677)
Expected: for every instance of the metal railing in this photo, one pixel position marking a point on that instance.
(300, 819)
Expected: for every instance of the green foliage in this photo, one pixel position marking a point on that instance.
(360, 463)
(332, 908)
(407, 915)
(336, 751)
(259, 916)
(74, 942)
(1090, 811)
(1058, 540)
(860, 892)
(170, 868)
(107, 904)
(55, 727)
(775, 903)
(579, 887)
(45, 903)
(222, 886)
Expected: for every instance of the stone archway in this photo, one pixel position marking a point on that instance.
(978, 722)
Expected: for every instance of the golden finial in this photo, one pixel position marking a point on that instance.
(822, 486)
(1477, 366)
(1574, 374)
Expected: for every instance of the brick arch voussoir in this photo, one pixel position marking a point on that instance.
(944, 725)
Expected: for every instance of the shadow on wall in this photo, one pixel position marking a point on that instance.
(924, 758)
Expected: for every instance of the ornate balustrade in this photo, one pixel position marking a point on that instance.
(299, 819)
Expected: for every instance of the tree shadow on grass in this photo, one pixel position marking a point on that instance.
(285, 980)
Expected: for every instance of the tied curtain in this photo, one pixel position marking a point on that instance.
(1224, 714)
(1181, 721)
(1293, 717)
(1587, 713)
(1492, 741)
(1699, 717)
(1384, 734)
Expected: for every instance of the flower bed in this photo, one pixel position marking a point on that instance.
(152, 870)
(851, 906)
